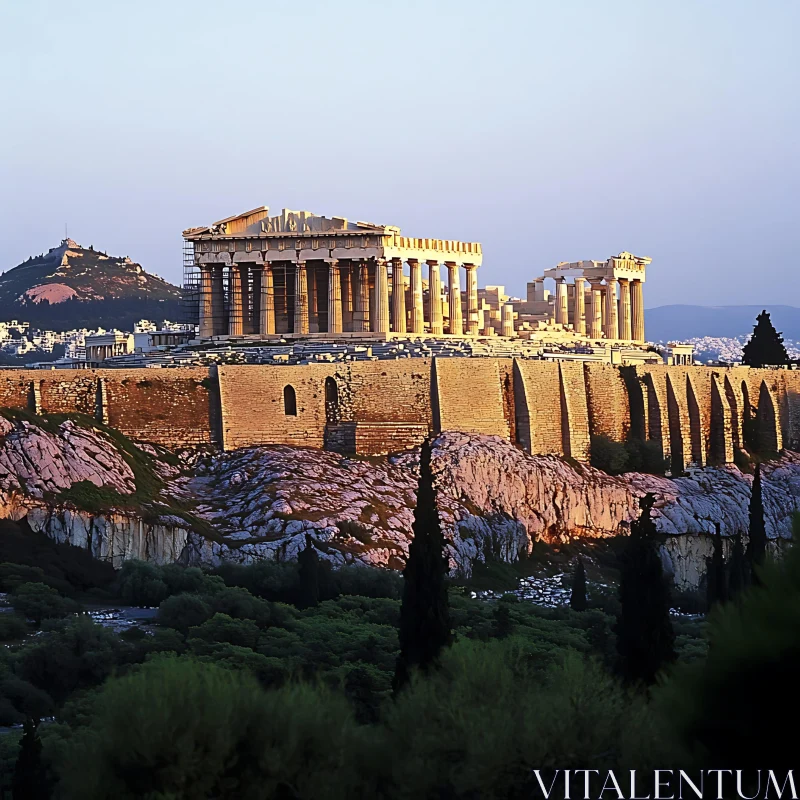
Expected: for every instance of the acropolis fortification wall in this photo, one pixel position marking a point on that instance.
(696, 415)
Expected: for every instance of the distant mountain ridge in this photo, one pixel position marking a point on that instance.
(666, 323)
(71, 286)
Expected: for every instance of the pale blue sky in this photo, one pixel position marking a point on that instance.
(548, 131)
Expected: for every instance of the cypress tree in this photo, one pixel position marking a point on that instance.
(737, 569)
(424, 613)
(308, 571)
(30, 779)
(577, 600)
(765, 347)
(757, 535)
(716, 582)
(645, 638)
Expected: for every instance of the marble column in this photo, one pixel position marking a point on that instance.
(398, 297)
(435, 298)
(235, 301)
(266, 322)
(561, 311)
(625, 309)
(257, 272)
(507, 320)
(454, 290)
(300, 298)
(611, 329)
(206, 313)
(244, 271)
(347, 296)
(595, 321)
(381, 322)
(417, 310)
(473, 325)
(219, 322)
(334, 298)
(579, 311)
(637, 311)
(361, 312)
(313, 299)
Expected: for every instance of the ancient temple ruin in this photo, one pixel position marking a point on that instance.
(302, 274)
(299, 274)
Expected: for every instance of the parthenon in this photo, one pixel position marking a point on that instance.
(300, 274)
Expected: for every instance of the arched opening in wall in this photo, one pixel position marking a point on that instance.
(695, 424)
(768, 429)
(331, 401)
(678, 462)
(749, 422)
(736, 414)
(289, 401)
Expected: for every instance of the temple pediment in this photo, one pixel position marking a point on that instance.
(258, 222)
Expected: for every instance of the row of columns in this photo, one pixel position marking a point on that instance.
(604, 314)
(348, 288)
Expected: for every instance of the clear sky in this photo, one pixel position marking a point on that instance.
(547, 130)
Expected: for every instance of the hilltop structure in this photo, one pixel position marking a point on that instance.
(72, 286)
(299, 274)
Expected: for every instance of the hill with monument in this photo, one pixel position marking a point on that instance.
(71, 286)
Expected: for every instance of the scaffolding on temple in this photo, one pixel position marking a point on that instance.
(190, 298)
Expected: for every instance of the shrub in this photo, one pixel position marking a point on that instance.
(645, 457)
(12, 627)
(139, 583)
(183, 611)
(608, 455)
(27, 699)
(12, 575)
(368, 582)
(179, 728)
(747, 685)
(38, 602)
(480, 727)
(240, 604)
(79, 655)
(222, 628)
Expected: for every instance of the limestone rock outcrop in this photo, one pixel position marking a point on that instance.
(261, 503)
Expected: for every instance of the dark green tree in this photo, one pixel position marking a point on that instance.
(502, 624)
(308, 573)
(577, 600)
(765, 347)
(723, 704)
(645, 638)
(738, 574)
(424, 612)
(716, 580)
(30, 776)
(757, 535)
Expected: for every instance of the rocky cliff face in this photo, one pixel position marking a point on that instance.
(39, 464)
(261, 503)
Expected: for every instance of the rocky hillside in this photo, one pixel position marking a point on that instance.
(74, 287)
(94, 489)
